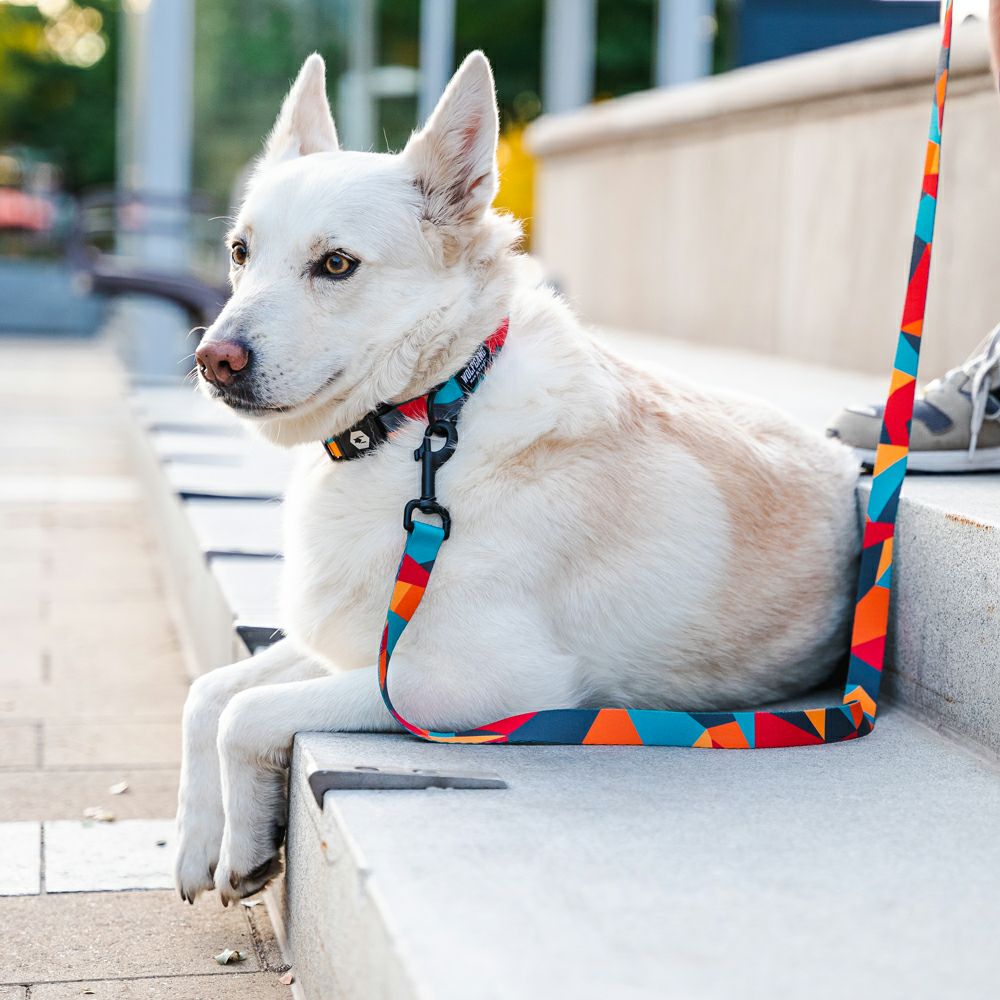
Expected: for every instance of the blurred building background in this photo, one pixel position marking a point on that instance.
(161, 104)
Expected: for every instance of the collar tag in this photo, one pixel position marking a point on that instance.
(366, 435)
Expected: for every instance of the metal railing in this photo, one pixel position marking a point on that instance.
(141, 243)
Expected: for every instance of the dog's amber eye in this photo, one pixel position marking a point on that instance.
(239, 254)
(338, 265)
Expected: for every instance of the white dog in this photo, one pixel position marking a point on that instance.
(617, 540)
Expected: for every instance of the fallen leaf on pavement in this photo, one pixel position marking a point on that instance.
(228, 956)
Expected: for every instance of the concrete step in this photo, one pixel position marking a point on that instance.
(235, 527)
(944, 636)
(212, 504)
(243, 480)
(649, 872)
(249, 587)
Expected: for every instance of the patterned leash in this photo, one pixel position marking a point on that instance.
(727, 730)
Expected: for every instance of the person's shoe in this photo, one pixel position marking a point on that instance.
(956, 419)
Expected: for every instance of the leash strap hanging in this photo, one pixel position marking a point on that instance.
(735, 730)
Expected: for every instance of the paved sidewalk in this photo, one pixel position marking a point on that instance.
(91, 688)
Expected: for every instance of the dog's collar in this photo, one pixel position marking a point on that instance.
(442, 403)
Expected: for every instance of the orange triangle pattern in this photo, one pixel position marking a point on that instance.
(612, 727)
(885, 558)
(933, 161)
(860, 695)
(817, 716)
(728, 736)
(870, 616)
(405, 598)
(899, 379)
(889, 454)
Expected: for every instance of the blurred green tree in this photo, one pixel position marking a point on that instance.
(625, 33)
(248, 53)
(511, 37)
(58, 64)
(246, 56)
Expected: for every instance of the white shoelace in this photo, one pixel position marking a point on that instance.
(982, 372)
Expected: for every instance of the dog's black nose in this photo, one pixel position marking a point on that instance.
(222, 361)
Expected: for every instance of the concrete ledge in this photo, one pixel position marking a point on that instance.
(945, 631)
(875, 66)
(636, 873)
(204, 619)
(772, 208)
(336, 928)
(219, 621)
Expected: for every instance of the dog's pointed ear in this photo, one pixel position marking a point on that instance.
(304, 124)
(454, 156)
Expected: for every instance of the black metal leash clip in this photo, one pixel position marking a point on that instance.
(431, 459)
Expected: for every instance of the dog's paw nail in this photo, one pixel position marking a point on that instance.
(234, 885)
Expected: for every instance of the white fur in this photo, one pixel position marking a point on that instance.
(617, 539)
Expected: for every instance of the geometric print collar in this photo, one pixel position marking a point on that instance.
(443, 402)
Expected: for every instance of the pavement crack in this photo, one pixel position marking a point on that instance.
(258, 944)
(41, 859)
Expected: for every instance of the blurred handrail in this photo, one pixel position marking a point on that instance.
(108, 274)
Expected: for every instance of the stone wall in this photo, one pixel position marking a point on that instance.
(773, 207)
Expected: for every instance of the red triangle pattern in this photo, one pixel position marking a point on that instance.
(898, 411)
(770, 731)
(872, 652)
(496, 340)
(877, 532)
(507, 726)
(412, 572)
(415, 409)
(916, 292)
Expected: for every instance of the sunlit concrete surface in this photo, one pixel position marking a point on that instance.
(92, 681)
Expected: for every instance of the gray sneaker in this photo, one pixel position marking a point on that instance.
(956, 419)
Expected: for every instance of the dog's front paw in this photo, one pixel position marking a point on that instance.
(245, 868)
(197, 855)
